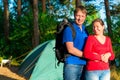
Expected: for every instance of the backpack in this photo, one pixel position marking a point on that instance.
(60, 48)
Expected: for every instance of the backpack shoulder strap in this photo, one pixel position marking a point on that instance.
(73, 29)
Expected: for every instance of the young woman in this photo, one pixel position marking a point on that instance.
(98, 51)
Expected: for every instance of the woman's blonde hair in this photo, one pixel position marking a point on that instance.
(98, 20)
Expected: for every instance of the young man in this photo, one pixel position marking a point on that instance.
(74, 63)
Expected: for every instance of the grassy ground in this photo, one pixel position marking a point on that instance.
(115, 73)
(10, 73)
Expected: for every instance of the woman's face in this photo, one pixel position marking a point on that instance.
(98, 28)
(80, 18)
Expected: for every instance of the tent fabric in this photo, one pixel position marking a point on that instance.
(41, 63)
(30, 60)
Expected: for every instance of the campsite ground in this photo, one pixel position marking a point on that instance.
(10, 73)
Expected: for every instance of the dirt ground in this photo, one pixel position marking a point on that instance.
(10, 73)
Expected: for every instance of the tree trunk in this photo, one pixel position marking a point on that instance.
(43, 6)
(108, 18)
(77, 3)
(35, 24)
(6, 21)
(19, 8)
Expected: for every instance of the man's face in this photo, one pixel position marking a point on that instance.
(80, 18)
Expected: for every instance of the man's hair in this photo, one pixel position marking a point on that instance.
(80, 8)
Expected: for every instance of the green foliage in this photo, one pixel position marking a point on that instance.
(47, 27)
(116, 37)
(115, 16)
(1, 59)
(20, 38)
(21, 34)
(92, 14)
(60, 10)
(116, 29)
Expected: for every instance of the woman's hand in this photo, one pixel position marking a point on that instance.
(105, 57)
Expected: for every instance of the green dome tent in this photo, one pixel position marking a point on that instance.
(41, 64)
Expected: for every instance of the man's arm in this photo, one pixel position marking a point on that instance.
(72, 50)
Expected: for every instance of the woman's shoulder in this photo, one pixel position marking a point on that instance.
(108, 38)
(91, 36)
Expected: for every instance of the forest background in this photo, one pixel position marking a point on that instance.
(24, 24)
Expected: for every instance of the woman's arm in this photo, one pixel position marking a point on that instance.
(88, 50)
(111, 50)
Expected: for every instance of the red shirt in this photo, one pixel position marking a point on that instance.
(94, 46)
